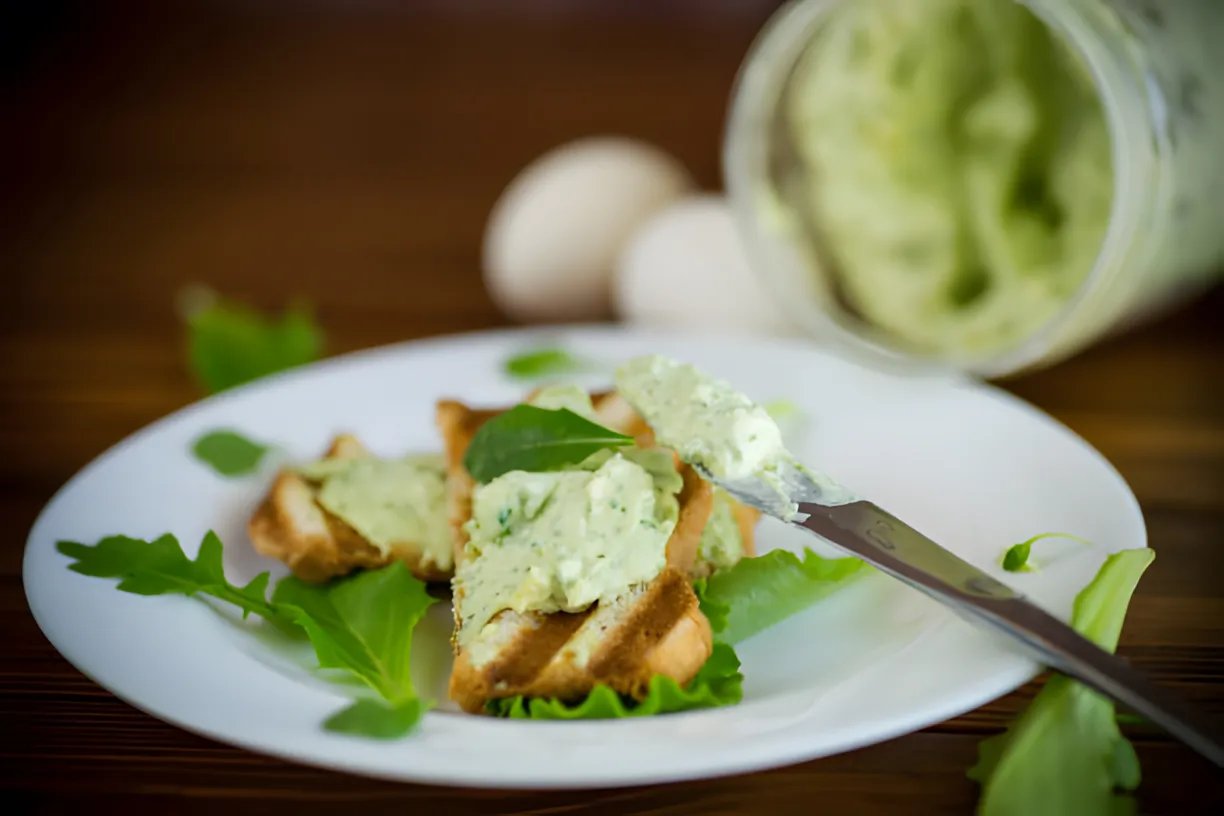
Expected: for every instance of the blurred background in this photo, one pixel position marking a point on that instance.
(350, 154)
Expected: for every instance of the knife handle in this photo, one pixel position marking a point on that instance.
(894, 547)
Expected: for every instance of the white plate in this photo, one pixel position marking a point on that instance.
(973, 467)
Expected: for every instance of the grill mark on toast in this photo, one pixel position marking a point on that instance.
(518, 666)
(619, 663)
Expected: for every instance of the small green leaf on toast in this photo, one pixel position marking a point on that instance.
(536, 439)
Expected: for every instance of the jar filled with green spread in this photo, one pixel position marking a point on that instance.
(981, 185)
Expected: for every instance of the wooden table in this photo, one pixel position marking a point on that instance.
(353, 160)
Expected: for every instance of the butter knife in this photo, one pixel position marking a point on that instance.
(892, 546)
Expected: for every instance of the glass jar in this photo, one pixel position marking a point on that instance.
(975, 225)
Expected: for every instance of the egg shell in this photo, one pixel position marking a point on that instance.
(552, 239)
(687, 268)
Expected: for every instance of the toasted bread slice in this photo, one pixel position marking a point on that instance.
(657, 628)
(291, 526)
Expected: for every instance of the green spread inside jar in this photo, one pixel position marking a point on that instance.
(958, 168)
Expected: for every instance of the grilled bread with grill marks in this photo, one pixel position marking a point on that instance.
(655, 628)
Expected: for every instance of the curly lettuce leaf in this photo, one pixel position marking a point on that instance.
(719, 683)
(762, 591)
(362, 624)
(1065, 753)
(715, 611)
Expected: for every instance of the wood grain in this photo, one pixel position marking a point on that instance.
(351, 158)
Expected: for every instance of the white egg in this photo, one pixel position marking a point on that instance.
(686, 268)
(553, 237)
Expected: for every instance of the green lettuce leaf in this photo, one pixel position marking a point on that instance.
(536, 439)
(715, 611)
(362, 624)
(762, 591)
(1065, 754)
(229, 453)
(719, 683)
(230, 343)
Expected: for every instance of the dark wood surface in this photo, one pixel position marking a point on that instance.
(352, 159)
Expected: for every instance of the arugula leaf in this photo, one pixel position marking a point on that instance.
(535, 439)
(1065, 753)
(762, 591)
(540, 363)
(719, 683)
(1016, 557)
(362, 624)
(160, 567)
(229, 453)
(230, 343)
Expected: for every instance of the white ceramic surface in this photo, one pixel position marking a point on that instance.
(969, 465)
